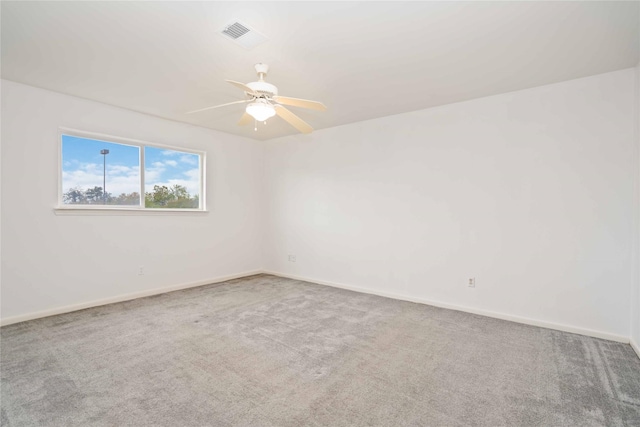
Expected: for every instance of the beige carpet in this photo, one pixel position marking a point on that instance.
(267, 351)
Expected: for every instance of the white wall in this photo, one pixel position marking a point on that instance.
(530, 192)
(635, 294)
(51, 261)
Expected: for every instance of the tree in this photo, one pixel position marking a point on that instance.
(126, 199)
(74, 196)
(94, 196)
(91, 196)
(176, 197)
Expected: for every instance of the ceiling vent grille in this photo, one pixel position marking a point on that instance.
(243, 35)
(235, 30)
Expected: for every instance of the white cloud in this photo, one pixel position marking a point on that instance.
(120, 179)
(191, 182)
(170, 153)
(122, 170)
(154, 172)
(193, 174)
(126, 179)
(171, 163)
(190, 159)
(186, 158)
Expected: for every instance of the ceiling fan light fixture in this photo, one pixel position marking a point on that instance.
(263, 102)
(261, 111)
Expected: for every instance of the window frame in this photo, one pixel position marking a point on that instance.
(61, 208)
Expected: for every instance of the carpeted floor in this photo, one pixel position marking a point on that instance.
(268, 351)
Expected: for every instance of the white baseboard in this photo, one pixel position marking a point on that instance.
(120, 298)
(635, 346)
(157, 291)
(503, 316)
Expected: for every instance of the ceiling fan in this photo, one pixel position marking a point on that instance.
(263, 102)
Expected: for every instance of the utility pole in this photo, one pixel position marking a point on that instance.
(104, 175)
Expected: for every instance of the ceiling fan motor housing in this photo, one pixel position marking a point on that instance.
(263, 88)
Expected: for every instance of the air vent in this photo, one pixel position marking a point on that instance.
(243, 35)
(235, 30)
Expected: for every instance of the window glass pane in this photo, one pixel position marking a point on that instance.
(172, 179)
(99, 173)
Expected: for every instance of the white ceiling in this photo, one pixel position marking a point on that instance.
(362, 59)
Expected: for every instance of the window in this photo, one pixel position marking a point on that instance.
(105, 172)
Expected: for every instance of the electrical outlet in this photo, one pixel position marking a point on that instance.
(292, 258)
(141, 270)
(472, 282)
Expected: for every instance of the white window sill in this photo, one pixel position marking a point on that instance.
(65, 210)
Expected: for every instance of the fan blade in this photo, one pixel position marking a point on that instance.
(217, 106)
(242, 86)
(245, 119)
(292, 119)
(297, 102)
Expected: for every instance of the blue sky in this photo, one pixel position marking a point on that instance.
(82, 166)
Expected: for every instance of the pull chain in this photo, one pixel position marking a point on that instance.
(255, 124)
